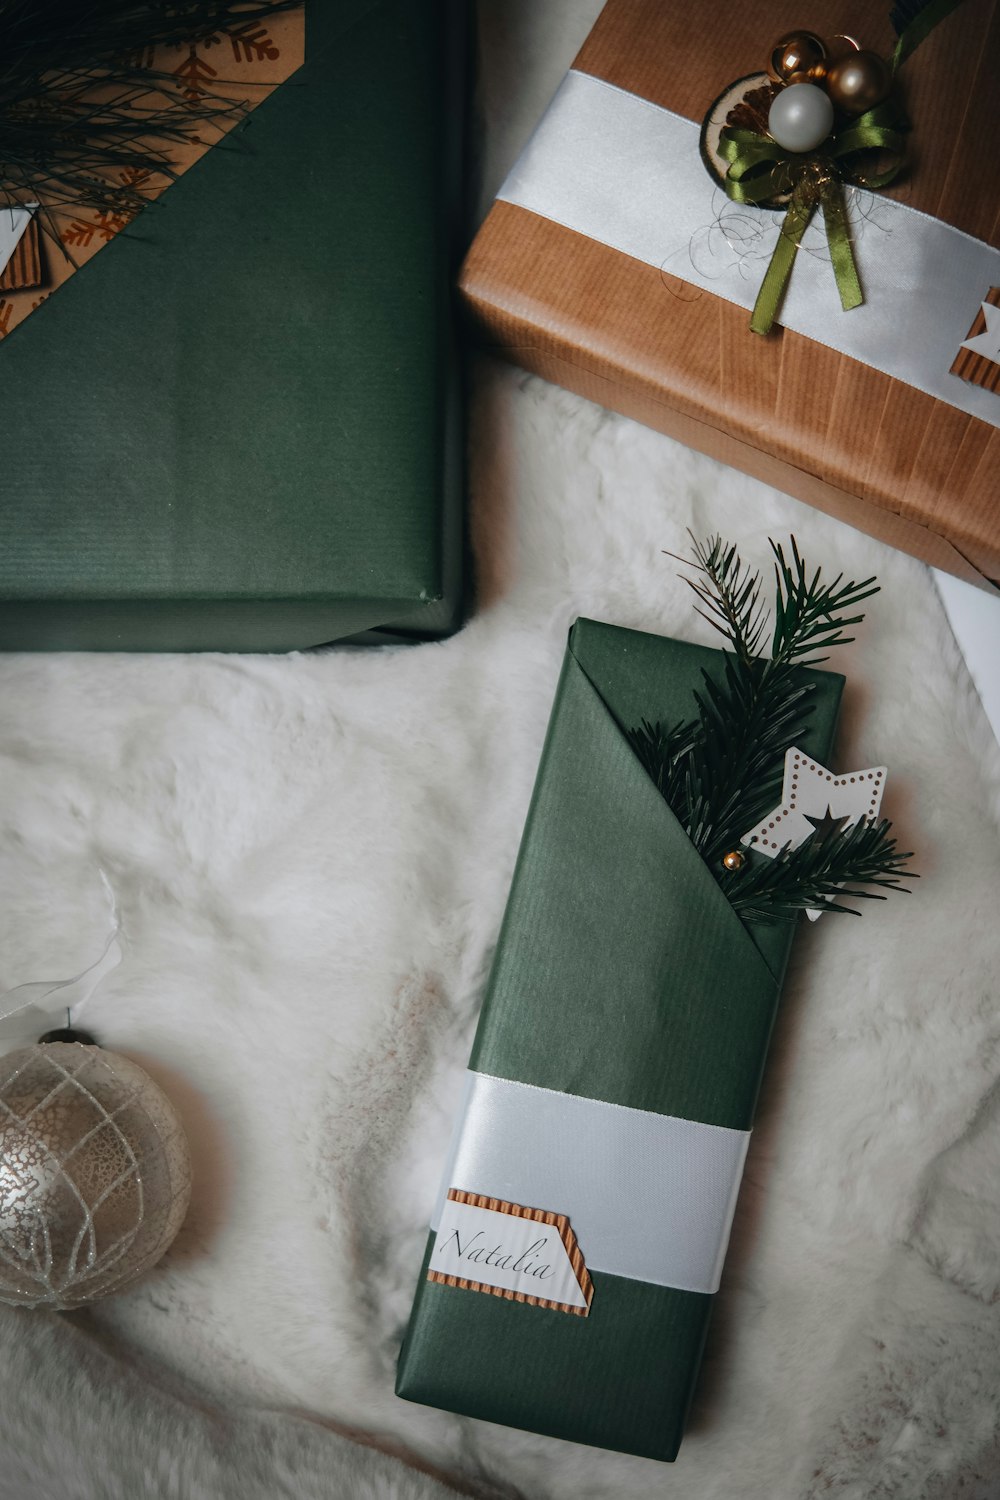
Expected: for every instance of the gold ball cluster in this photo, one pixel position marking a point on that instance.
(855, 79)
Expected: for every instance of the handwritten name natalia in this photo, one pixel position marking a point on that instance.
(521, 1265)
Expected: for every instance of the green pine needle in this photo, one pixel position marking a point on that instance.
(730, 594)
(809, 615)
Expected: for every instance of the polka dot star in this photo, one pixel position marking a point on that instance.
(816, 803)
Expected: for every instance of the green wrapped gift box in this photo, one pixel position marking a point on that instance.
(237, 428)
(625, 1024)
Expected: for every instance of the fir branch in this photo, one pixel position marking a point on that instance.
(734, 765)
(722, 772)
(730, 593)
(82, 121)
(818, 871)
(809, 615)
(663, 755)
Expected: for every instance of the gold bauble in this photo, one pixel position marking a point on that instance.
(814, 75)
(95, 1174)
(858, 81)
(797, 52)
(734, 860)
(838, 46)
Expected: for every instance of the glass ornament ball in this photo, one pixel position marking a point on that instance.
(858, 81)
(95, 1174)
(795, 52)
(800, 117)
(838, 46)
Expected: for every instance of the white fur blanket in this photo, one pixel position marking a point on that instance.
(312, 855)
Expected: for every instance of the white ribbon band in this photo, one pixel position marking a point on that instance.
(649, 1197)
(625, 172)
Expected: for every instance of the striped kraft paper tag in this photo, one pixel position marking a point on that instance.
(24, 269)
(523, 1254)
(978, 360)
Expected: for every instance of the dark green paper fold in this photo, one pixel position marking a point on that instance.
(621, 973)
(238, 427)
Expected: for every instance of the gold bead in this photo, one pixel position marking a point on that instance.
(795, 52)
(858, 81)
(734, 860)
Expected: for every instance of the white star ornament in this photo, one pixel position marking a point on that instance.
(815, 801)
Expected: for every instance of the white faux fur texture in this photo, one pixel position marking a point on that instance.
(311, 856)
(78, 1421)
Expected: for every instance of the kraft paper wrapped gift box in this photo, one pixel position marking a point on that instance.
(604, 266)
(237, 427)
(626, 1000)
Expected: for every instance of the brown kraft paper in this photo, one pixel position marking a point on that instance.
(826, 428)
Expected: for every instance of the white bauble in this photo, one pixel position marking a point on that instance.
(801, 117)
(95, 1174)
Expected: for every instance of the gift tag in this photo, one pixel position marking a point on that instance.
(978, 359)
(524, 1254)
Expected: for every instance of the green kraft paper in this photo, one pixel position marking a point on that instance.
(237, 427)
(621, 973)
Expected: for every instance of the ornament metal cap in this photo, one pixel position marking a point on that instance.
(68, 1034)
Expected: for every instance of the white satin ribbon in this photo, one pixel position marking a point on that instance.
(625, 172)
(650, 1197)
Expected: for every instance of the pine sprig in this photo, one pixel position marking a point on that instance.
(722, 772)
(745, 722)
(663, 755)
(730, 594)
(818, 871)
(811, 616)
(82, 120)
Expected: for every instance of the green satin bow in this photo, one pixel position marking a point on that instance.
(761, 171)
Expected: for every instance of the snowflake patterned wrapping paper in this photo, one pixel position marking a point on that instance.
(237, 427)
(621, 975)
(242, 62)
(611, 264)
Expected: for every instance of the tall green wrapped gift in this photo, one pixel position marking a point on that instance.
(237, 427)
(611, 1088)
